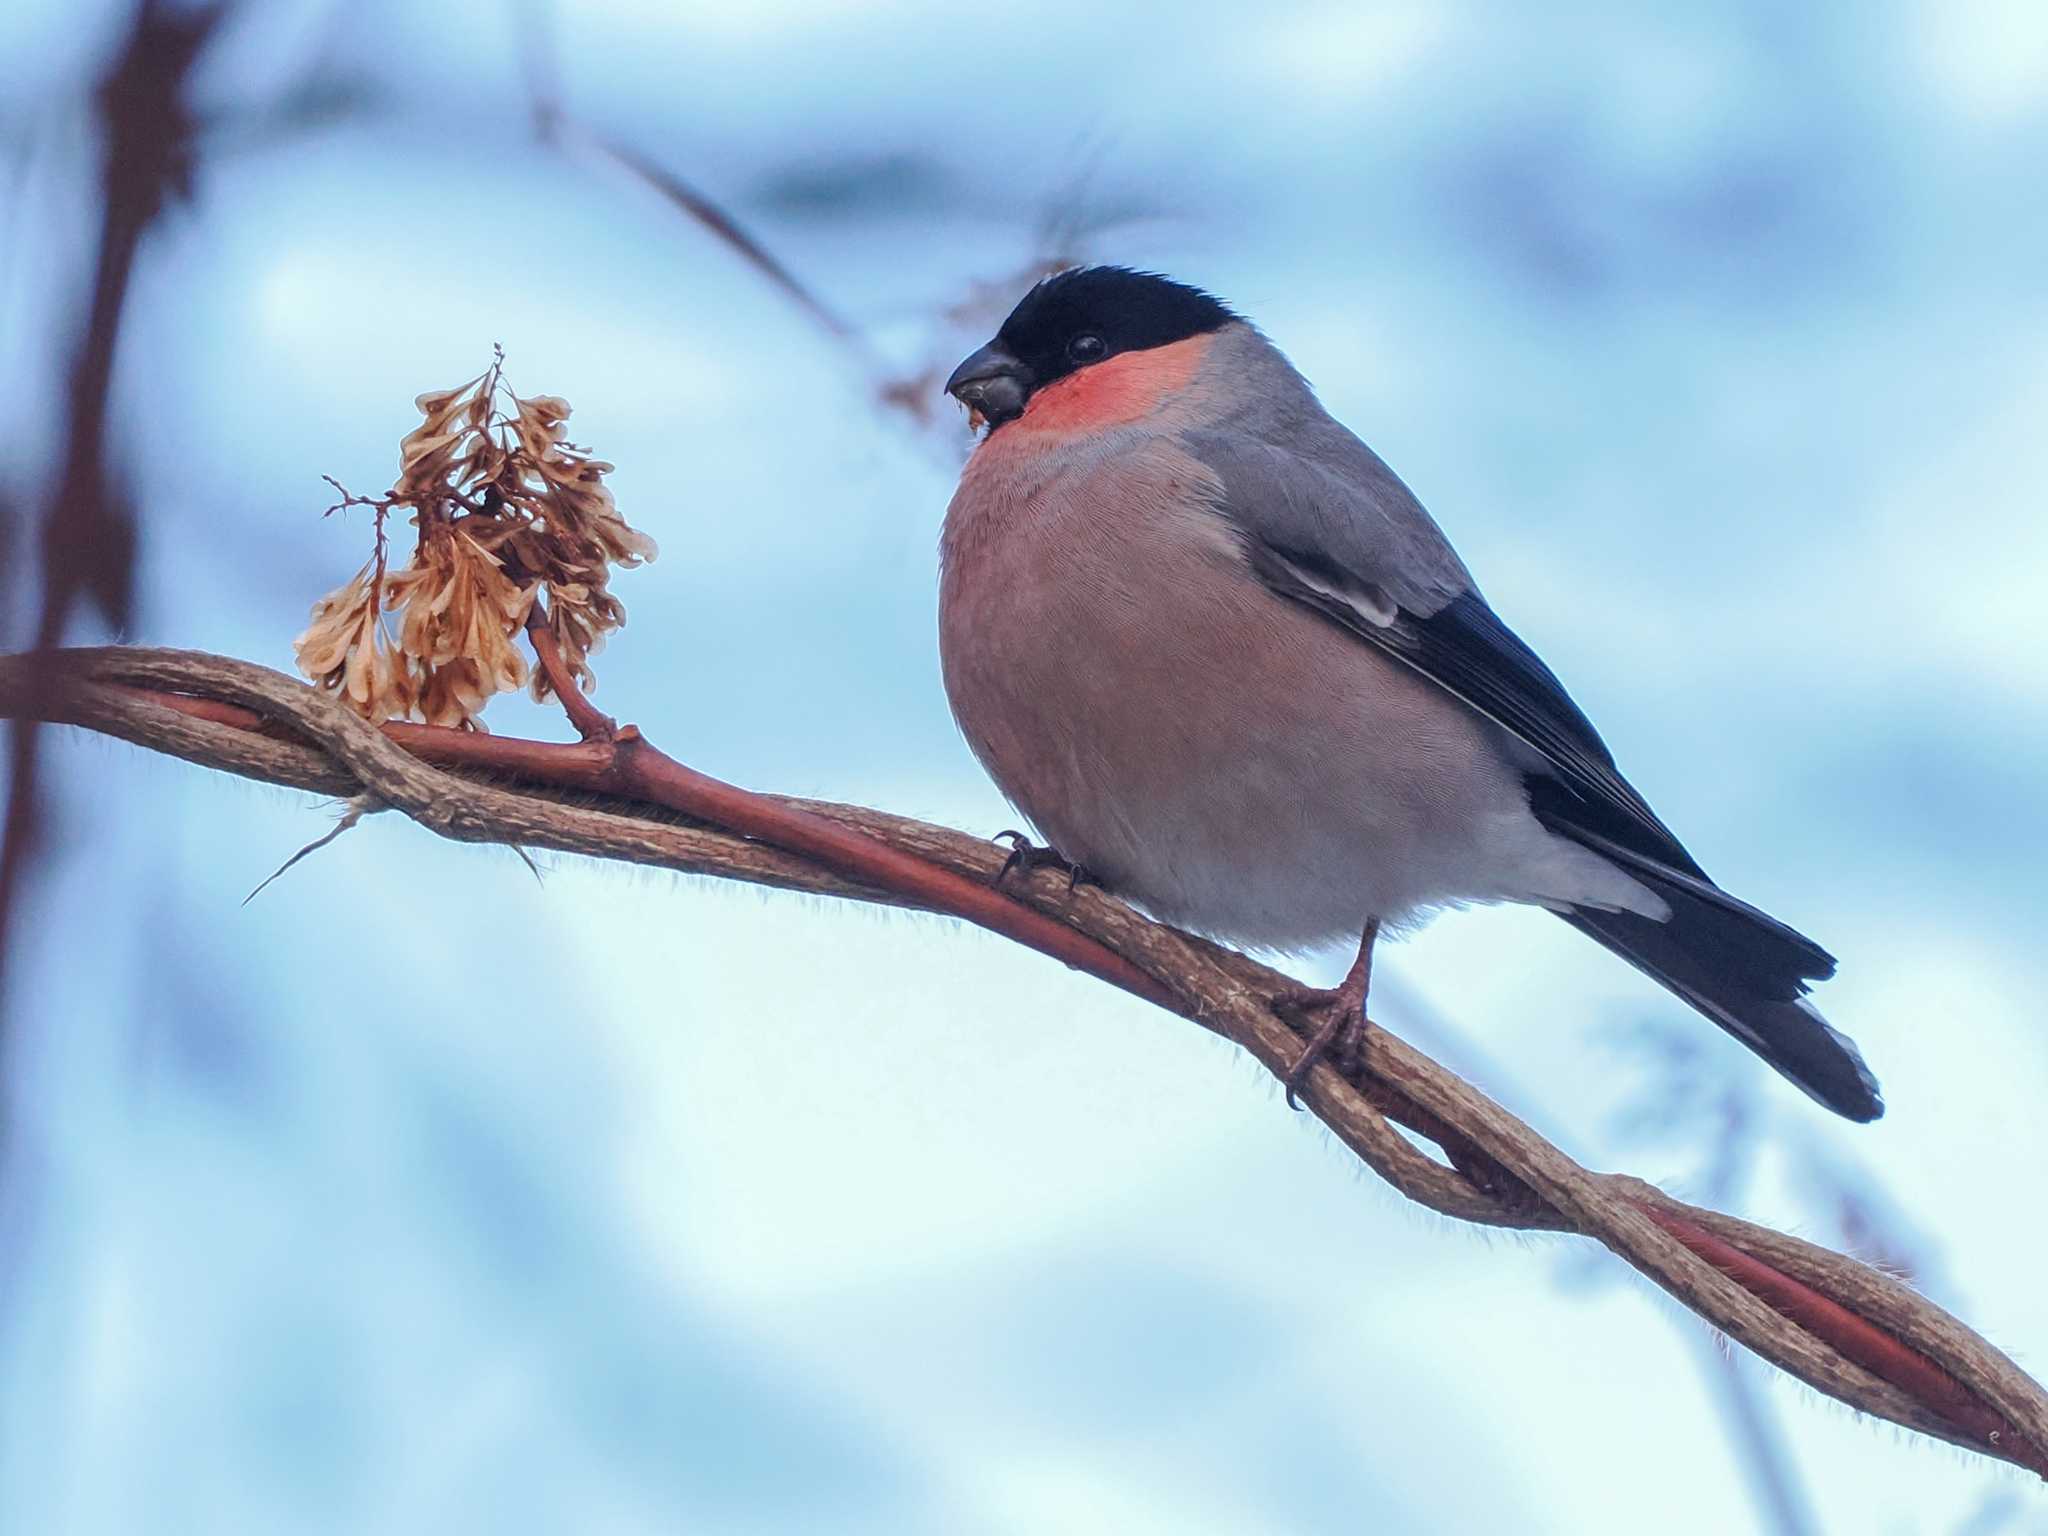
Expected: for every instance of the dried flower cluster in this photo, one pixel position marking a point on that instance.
(507, 510)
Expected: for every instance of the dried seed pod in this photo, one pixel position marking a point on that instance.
(507, 510)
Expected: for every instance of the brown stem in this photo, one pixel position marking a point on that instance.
(627, 765)
(591, 723)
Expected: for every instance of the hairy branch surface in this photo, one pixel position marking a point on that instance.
(1841, 1326)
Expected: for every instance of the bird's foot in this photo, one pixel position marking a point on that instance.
(1333, 1019)
(1031, 857)
(1335, 1024)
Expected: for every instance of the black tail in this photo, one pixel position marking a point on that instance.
(1742, 968)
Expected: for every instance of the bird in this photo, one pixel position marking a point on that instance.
(1219, 656)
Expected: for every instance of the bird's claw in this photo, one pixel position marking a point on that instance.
(1333, 1019)
(1031, 857)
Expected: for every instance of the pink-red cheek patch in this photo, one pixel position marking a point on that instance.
(1121, 389)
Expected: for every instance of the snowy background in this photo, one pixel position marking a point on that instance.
(421, 1196)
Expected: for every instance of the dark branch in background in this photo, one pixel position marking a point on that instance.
(1838, 1325)
(553, 126)
(726, 228)
(914, 395)
(87, 552)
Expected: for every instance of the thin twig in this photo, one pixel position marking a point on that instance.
(591, 723)
(355, 812)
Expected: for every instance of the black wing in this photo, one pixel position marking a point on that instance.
(1466, 650)
(1349, 541)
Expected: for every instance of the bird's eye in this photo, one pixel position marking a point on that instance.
(1086, 347)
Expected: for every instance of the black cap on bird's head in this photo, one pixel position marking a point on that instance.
(1076, 318)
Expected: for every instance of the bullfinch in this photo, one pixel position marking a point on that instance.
(1223, 660)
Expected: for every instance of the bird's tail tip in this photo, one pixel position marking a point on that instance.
(1751, 980)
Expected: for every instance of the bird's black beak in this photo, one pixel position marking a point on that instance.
(993, 382)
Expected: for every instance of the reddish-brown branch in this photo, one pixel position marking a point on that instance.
(1877, 1351)
(199, 709)
(642, 772)
(1837, 1324)
(727, 229)
(591, 723)
(630, 767)
(627, 765)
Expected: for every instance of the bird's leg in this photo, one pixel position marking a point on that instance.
(1030, 857)
(1336, 1014)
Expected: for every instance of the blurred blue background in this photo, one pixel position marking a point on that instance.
(418, 1195)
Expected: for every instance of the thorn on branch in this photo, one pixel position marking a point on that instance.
(357, 809)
